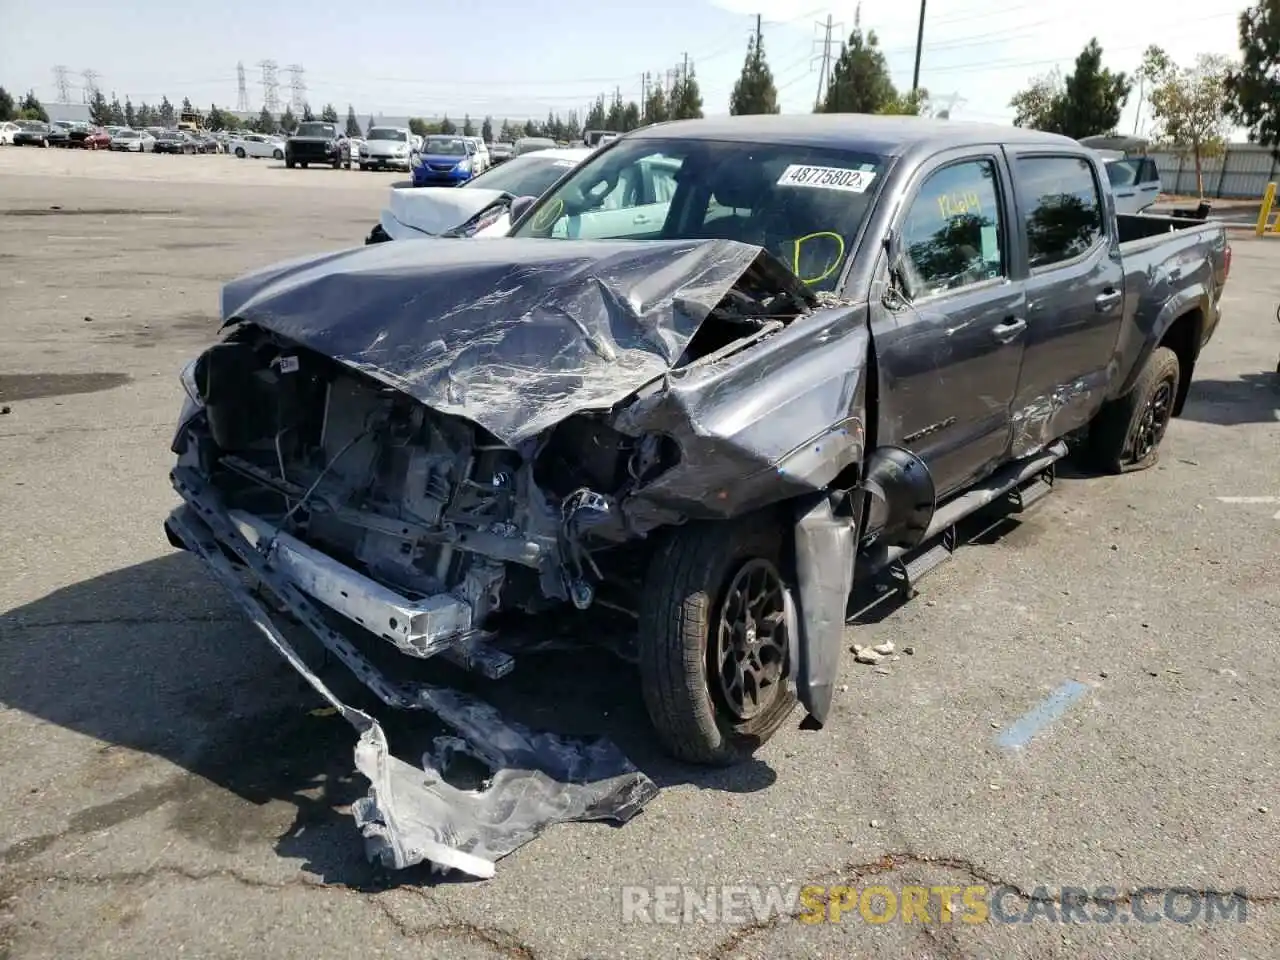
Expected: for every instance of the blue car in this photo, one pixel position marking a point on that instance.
(444, 161)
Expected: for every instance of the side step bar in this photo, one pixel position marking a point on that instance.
(1024, 482)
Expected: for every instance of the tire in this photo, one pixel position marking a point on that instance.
(44, 143)
(682, 611)
(346, 165)
(289, 164)
(1125, 435)
(240, 154)
(277, 155)
(364, 166)
(337, 164)
(303, 165)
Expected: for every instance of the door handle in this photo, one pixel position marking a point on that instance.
(1006, 331)
(640, 218)
(1107, 299)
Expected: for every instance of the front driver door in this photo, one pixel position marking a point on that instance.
(949, 356)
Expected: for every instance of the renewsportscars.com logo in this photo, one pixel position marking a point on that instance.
(907, 903)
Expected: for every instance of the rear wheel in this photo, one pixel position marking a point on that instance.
(240, 154)
(278, 155)
(303, 164)
(714, 639)
(1126, 434)
(289, 164)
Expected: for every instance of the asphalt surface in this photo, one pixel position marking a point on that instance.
(168, 790)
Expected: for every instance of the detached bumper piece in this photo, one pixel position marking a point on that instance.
(411, 815)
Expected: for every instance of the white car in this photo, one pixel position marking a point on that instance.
(133, 141)
(482, 204)
(258, 145)
(481, 157)
(385, 147)
(1135, 182)
(7, 130)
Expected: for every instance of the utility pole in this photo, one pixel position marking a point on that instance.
(757, 47)
(825, 70)
(644, 95)
(915, 75)
(1137, 113)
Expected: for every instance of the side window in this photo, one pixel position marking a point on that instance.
(953, 234)
(1149, 172)
(1063, 208)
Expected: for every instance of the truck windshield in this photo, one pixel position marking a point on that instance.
(316, 130)
(805, 205)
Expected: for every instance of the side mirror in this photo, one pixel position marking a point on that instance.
(899, 272)
(520, 206)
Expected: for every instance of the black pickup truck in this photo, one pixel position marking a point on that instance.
(720, 372)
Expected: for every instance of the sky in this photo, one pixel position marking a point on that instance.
(512, 58)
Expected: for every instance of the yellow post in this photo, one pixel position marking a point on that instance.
(1264, 214)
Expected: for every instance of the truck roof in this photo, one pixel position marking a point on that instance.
(886, 135)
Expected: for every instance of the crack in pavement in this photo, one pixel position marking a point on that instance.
(950, 948)
(497, 939)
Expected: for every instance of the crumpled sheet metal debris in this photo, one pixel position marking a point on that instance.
(412, 815)
(512, 334)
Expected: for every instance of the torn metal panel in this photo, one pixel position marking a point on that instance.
(408, 818)
(779, 419)
(512, 334)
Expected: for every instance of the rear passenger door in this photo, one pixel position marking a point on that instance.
(949, 357)
(1075, 294)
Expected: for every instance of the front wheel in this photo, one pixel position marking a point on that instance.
(277, 155)
(714, 639)
(1126, 434)
(240, 154)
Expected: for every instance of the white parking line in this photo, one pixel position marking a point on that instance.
(1253, 500)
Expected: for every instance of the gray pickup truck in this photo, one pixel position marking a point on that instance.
(716, 375)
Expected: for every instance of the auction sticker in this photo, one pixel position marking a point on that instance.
(826, 178)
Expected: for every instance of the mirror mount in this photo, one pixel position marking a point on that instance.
(520, 206)
(898, 291)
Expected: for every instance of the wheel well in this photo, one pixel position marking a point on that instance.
(1183, 338)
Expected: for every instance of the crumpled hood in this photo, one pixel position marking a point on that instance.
(512, 334)
(437, 209)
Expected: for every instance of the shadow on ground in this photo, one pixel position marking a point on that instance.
(1254, 398)
(156, 659)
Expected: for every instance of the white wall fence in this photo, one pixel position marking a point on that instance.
(1241, 173)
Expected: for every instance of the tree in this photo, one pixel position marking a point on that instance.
(909, 105)
(99, 109)
(1087, 102)
(531, 128)
(1188, 105)
(7, 109)
(486, 130)
(1034, 107)
(219, 119)
(447, 126)
(307, 115)
(32, 109)
(613, 119)
(597, 114)
(370, 125)
(167, 116)
(655, 105)
(754, 91)
(266, 122)
(468, 128)
(686, 97)
(146, 116)
(329, 114)
(505, 134)
(130, 115)
(860, 80)
(353, 125)
(288, 122)
(417, 126)
(116, 112)
(186, 105)
(1253, 89)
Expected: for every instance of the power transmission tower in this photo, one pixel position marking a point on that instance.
(825, 70)
(90, 88)
(270, 87)
(63, 83)
(242, 89)
(297, 87)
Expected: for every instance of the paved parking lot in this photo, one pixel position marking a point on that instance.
(167, 787)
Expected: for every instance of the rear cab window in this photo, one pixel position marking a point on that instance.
(1062, 208)
(805, 205)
